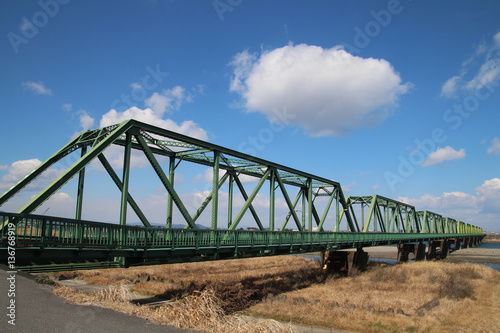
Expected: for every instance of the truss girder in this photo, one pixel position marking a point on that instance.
(383, 214)
(168, 185)
(119, 184)
(48, 191)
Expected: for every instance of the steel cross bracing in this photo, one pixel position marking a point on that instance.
(315, 204)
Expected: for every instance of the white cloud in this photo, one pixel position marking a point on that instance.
(375, 187)
(481, 209)
(86, 121)
(175, 97)
(169, 100)
(495, 147)
(488, 73)
(489, 195)
(60, 204)
(328, 91)
(348, 188)
(443, 154)
(19, 169)
(450, 86)
(135, 85)
(37, 87)
(67, 107)
(187, 127)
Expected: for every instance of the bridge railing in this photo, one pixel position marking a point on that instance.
(45, 231)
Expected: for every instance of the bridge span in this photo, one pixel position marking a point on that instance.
(320, 218)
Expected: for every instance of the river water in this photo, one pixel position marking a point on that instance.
(393, 261)
(482, 246)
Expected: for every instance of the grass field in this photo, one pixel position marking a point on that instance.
(429, 296)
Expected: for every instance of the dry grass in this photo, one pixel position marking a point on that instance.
(239, 283)
(208, 295)
(201, 312)
(469, 300)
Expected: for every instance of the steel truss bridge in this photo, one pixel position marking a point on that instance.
(318, 217)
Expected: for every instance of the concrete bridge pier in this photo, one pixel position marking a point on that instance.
(465, 243)
(438, 249)
(457, 243)
(404, 251)
(343, 262)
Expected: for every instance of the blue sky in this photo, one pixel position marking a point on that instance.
(397, 98)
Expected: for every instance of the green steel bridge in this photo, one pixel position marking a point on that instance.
(318, 216)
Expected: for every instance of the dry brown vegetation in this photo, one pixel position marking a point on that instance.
(238, 283)
(466, 297)
(201, 312)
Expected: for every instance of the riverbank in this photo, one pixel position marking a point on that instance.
(471, 255)
(220, 296)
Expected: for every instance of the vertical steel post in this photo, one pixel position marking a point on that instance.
(170, 207)
(230, 200)
(125, 180)
(309, 204)
(215, 189)
(338, 216)
(303, 208)
(79, 196)
(271, 200)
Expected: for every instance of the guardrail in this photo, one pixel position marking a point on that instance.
(45, 231)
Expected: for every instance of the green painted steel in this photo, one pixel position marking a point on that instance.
(41, 238)
(355, 220)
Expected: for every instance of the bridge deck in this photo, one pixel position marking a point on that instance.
(51, 240)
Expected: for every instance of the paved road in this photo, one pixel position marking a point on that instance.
(37, 309)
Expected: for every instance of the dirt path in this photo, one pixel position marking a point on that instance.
(37, 309)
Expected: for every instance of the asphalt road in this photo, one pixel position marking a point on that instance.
(37, 309)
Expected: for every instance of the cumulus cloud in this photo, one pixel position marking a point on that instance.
(327, 91)
(86, 121)
(489, 195)
(443, 154)
(481, 209)
(37, 88)
(168, 100)
(187, 127)
(486, 75)
(19, 169)
(495, 147)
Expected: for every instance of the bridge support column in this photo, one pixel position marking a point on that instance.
(404, 251)
(456, 244)
(420, 251)
(343, 261)
(465, 243)
(434, 253)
